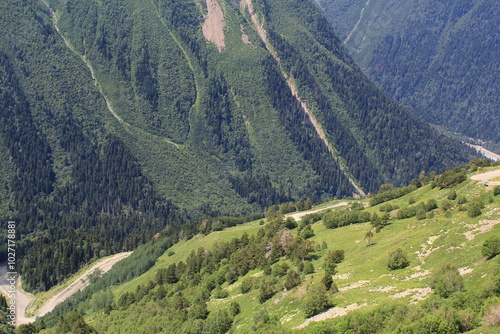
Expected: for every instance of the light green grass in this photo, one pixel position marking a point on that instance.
(183, 248)
(440, 238)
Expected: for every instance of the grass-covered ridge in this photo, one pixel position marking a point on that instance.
(275, 275)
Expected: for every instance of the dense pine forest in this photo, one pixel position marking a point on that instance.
(119, 120)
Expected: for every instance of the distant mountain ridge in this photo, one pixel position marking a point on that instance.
(170, 127)
(438, 58)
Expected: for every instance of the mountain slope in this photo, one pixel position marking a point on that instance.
(264, 272)
(120, 118)
(436, 58)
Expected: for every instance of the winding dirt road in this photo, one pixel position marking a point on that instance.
(24, 300)
(485, 177)
(298, 216)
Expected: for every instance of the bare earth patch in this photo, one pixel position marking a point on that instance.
(383, 289)
(244, 37)
(288, 317)
(482, 227)
(358, 284)
(465, 271)
(342, 276)
(418, 294)
(331, 313)
(213, 27)
(427, 249)
(421, 275)
(492, 212)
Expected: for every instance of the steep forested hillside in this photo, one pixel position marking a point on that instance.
(439, 58)
(120, 118)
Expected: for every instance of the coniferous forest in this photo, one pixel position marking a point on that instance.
(436, 58)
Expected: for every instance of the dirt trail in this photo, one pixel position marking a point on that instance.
(331, 313)
(87, 63)
(485, 177)
(298, 216)
(81, 282)
(485, 152)
(263, 35)
(24, 299)
(357, 23)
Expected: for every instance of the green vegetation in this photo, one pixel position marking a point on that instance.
(124, 121)
(252, 277)
(397, 260)
(390, 194)
(5, 327)
(317, 300)
(446, 280)
(491, 247)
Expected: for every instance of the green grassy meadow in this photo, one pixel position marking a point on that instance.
(363, 278)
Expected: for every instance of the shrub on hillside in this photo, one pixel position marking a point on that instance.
(357, 206)
(387, 207)
(327, 281)
(311, 218)
(280, 269)
(73, 322)
(220, 293)
(491, 247)
(397, 260)
(407, 212)
(290, 223)
(462, 200)
(343, 218)
(452, 178)
(330, 267)
(379, 222)
(446, 280)
(316, 300)
(391, 194)
(307, 232)
(234, 308)
(335, 256)
(267, 289)
(496, 190)
(446, 205)
(431, 205)
(292, 280)
(218, 321)
(309, 268)
(474, 209)
(452, 195)
(247, 284)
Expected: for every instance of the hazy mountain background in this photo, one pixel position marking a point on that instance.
(438, 58)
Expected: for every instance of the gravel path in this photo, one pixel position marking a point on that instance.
(298, 216)
(485, 177)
